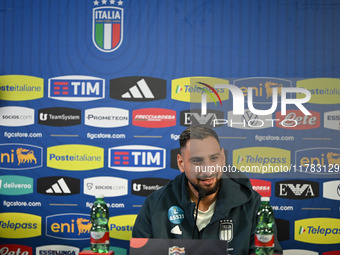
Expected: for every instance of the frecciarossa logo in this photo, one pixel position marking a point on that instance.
(137, 158)
(154, 118)
(318, 230)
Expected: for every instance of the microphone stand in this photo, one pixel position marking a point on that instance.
(201, 194)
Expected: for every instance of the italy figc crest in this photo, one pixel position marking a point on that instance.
(107, 28)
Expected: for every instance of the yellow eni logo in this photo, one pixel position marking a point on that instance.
(19, 225)
(318, 230)
(262, 160)
(323, 90)
(191, 89)
(21, 87)
(75, 157)
(121, 226)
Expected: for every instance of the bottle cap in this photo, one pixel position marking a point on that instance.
(265, 199)
(99, 196)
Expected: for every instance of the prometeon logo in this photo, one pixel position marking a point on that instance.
(137, 158)
(145, 186)
(107, 25)
(58, 186)
(59, 117)
(76, 88)
(297, 189)
(68, 226)
(137, 89)
(16, 156)
(317, 230)
(16, 116)
(106, 117)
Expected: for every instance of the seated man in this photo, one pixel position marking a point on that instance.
(227, 204)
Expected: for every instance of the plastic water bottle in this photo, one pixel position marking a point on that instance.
(100, 235)
(264, 236)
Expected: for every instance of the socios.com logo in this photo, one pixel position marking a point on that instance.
(121, 226)
(318, 230)
(261, 160)
(75, 157)
(16, 156)
(68, 226)
(16, 116)
(19, 225)
(137, 158)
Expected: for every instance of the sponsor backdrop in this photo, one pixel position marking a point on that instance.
(94, 95)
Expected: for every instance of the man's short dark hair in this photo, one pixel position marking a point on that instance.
(196, 132)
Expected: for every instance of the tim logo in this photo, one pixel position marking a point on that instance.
(68, 226)
(20, 156)
(107, 26)
(137, 158)
(76, 88)
(297, 189)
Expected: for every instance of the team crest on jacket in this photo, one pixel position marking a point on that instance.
(226, 230)
(107, 28)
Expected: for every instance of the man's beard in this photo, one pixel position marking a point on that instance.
(205, 192)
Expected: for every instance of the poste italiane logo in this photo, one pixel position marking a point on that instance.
(19, 225)
(121, 226)
(318, 230)
(75, 157)
(21, 87)
(323, 90)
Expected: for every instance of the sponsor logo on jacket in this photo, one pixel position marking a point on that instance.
(59, 117)
(317, 230)
(16, 156)
(297, 189)
(138, 89)
(16, 116)
(21, 87)
(76, 88)
(137, 158)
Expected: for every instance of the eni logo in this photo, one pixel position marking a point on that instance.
(269, 88)
(20, 156)
(68, 226)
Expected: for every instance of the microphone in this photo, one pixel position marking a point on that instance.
(201, 194)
